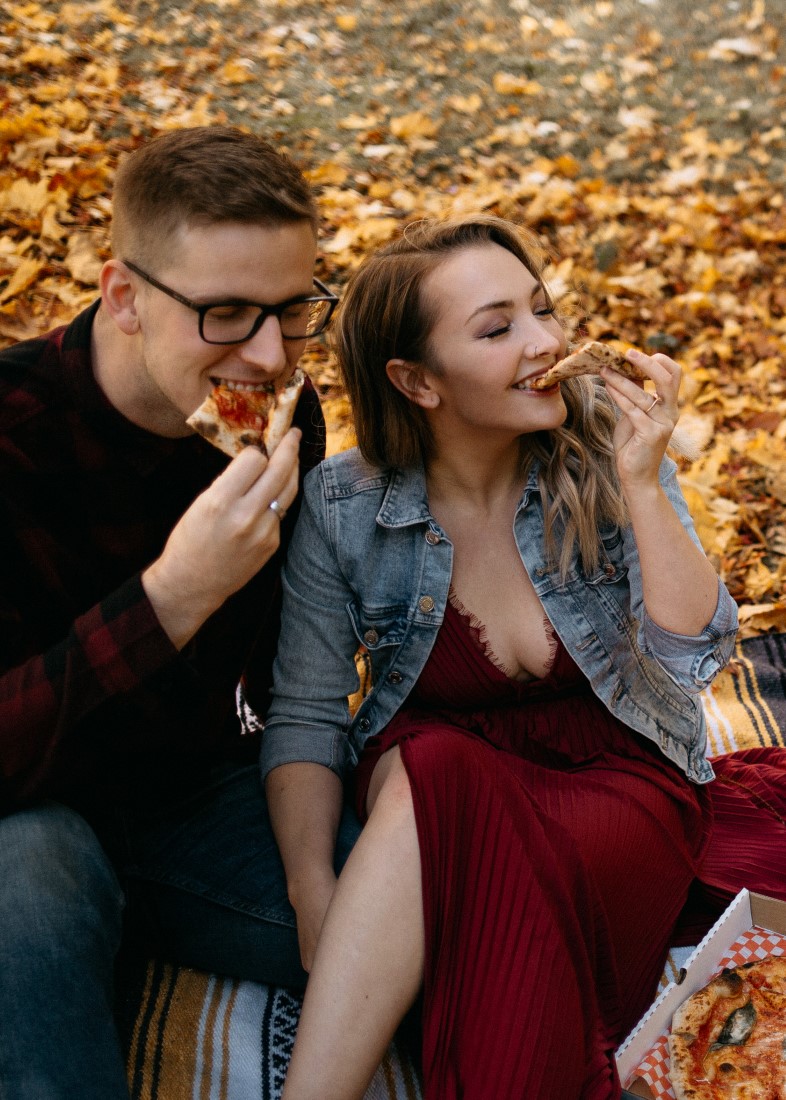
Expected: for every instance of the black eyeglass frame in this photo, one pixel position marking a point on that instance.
(326, 295)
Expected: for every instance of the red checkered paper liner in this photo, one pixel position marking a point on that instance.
(755, 943)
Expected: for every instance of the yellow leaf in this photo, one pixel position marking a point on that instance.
(648, 283)
(82, 260)
(108, 75)
(508, 84)
(346, 22)
(415, 124)
(51, 229)
(598, 82)
(343, 240)
(529, 26)
(708, 279)
(358, 122)
(561, 29)
(761, 618)
(24, 276)
(465, 104)
(328, 172)
(75, 113)
(758, 581)
(567, 166)
(338, 419)
(44, 57)
(29, 198)
(236, 71)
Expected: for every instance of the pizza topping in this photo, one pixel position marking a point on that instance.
(243, 408)
(737, 1028)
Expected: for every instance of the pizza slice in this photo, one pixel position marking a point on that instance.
(589, 359)
(233, 418)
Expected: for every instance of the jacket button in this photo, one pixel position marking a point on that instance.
(395, 678)
(364, 724)
(432, 538)
(371, 637)
(426, 603)
(609, 570)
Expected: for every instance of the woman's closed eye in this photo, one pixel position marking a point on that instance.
(498, 330)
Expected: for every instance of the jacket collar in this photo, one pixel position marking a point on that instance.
(406, 499)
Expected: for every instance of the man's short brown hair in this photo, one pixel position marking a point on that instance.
(202, 176)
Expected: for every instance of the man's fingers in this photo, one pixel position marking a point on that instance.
(246, 470)
(280, 479)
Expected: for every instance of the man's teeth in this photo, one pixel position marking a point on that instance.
(248, 387)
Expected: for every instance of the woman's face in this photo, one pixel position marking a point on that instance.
(494, 332)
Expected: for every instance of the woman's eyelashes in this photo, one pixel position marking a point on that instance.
(498, 330)
(544, 311)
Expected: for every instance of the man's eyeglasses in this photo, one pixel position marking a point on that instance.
(236, 322)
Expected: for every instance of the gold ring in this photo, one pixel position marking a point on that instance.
(655, 400)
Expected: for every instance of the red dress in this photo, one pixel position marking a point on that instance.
(558, 849)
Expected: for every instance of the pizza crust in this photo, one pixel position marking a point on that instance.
(233, 419)
(589, 359)
(283, 410)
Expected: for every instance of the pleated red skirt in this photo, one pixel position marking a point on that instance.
(560, 851)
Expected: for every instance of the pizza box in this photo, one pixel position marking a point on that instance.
(748, 910)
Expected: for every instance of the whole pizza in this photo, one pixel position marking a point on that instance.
(729, 1039)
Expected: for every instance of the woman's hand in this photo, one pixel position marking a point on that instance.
(679, 584)
(648, 419)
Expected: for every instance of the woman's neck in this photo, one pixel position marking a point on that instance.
(476, 478)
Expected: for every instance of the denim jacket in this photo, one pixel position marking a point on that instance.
(370, 566)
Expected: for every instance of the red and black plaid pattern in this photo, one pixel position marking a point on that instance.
(94, 699)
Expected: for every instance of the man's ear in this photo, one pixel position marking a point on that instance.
(411, 380)
(118, 296)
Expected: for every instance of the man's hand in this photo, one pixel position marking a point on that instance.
(223, 540)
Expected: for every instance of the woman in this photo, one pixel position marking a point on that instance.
(540, 619)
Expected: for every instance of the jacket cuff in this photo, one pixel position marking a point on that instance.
(700, 657)
(304, 743)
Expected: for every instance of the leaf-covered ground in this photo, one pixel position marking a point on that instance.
(643, 140)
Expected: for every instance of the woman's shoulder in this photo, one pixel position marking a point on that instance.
(347, 473)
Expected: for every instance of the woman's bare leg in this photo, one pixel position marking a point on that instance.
(368, 966)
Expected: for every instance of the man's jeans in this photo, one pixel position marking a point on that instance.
(201, 884)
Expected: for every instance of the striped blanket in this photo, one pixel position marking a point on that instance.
(199, 1037)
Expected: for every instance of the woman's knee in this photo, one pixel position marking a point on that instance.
(56, 877)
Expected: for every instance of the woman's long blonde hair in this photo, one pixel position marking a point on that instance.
(384, 315)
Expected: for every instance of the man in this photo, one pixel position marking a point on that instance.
(139, 585)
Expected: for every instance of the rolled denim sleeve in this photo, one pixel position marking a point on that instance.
(314, 671)
(692, 662)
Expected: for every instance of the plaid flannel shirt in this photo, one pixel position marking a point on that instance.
(94, 699)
